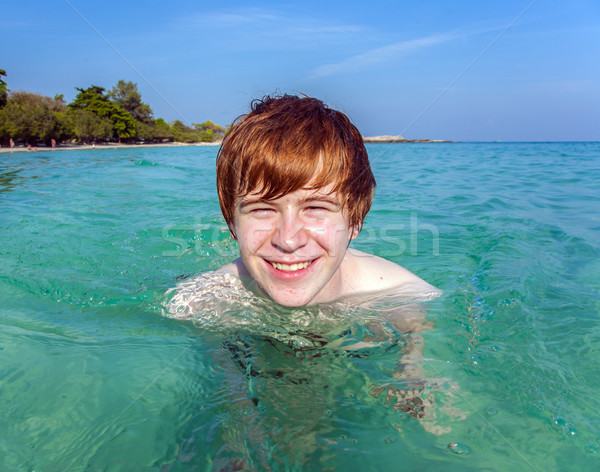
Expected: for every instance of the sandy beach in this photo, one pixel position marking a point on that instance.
(80, 147)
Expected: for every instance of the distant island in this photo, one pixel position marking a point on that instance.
(95, 116)
(399, 139)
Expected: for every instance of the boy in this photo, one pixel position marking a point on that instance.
(295, 185)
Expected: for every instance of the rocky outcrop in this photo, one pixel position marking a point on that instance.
(398, 139)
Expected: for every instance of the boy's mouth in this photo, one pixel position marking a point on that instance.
(290, 267)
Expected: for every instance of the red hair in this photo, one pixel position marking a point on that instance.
(290, 143)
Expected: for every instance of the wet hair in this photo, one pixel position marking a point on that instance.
(290, 143)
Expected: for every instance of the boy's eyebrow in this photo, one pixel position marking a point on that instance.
(244, 202)
(322, 198)
(251, 201)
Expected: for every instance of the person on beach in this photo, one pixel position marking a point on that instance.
(294, 185)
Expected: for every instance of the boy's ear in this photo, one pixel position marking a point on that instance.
(231, 231)
(356, 229)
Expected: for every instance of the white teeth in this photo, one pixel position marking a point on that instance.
(291, 268)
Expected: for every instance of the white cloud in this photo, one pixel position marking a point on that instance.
(230, 20)
(380, 55)
(272, 26)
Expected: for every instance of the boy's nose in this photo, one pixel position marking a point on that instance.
(290, 234)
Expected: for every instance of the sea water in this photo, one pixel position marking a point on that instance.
(95, 374)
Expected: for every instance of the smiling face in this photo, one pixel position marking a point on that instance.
(294, 246)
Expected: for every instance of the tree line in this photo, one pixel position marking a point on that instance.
(95, 115)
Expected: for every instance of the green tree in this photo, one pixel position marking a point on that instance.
(127, 96)
(209, 131)
(162, 130)
(156, 131)
(88, 127)
(5, 127)
(3, 89)
(123, 123)
(183, 133)
(94, 100)
(145, 131)
(31, 118)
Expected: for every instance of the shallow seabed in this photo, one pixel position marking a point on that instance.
(94, 376)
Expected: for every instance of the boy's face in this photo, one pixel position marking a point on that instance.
(294, 246)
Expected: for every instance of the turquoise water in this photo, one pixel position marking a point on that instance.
(93, 376)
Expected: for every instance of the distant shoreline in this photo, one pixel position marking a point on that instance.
(83, 147)
(399, 139)
(367, 139)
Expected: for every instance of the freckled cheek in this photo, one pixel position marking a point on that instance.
(330, 236)
(254, 237)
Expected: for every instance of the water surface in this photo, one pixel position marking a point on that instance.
(93, 376)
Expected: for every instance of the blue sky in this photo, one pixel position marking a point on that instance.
(395, 67)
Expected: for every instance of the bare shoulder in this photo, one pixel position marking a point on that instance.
(207, 293)
(235, 269)
(373, 273)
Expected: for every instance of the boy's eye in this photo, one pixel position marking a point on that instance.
(317, 208)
